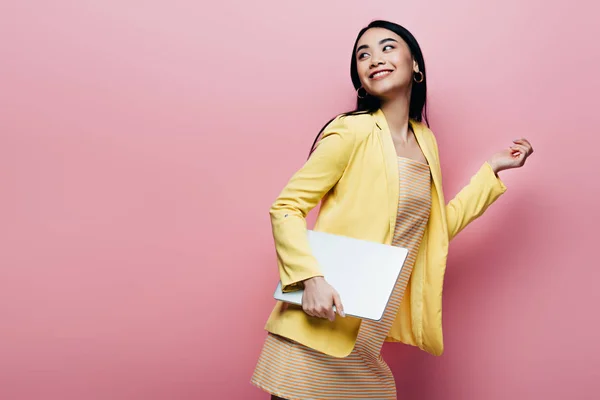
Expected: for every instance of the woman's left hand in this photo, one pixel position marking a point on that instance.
(513, 157)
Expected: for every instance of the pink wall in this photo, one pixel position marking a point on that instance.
(142, 143)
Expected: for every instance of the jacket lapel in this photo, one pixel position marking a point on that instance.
(391, 168)
(438, 205)
(429, 152)
(391, 162)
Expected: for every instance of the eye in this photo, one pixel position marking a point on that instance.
(361, 55)
(388, 46)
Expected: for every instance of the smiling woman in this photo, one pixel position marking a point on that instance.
(391, 55)
(392, 52)
(376, 172)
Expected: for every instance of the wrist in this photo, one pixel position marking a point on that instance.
(312, 281)
(495, 168)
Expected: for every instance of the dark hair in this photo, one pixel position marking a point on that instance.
(368, 104)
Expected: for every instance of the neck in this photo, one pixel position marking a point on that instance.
(396, 114)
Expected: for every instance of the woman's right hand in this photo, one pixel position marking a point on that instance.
(319, 297)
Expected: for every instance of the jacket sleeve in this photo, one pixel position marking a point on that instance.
(484, 188)
(471, 202)
(302, 193)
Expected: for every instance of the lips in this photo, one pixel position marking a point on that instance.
(382, 73)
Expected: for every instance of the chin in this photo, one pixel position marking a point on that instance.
(385, 92)
(388, 90)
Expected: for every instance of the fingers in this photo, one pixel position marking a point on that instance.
(322, 312)
(520, 151)
(322, 307)
(523, 140)
(318, 311)
(525, 143)
(326, 312)
(522, 147)
(519, 148)
(310, 309)
(330, 313)
(338, 304)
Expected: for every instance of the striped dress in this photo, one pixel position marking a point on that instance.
(293, 371)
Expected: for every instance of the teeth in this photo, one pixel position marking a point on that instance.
(381, 73)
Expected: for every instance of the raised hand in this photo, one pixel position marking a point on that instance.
(513, 157)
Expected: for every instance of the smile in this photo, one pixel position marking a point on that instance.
(380, 74)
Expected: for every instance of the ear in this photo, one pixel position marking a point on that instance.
(415, 66)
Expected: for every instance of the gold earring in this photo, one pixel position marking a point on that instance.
(421, 76)
(358, 93)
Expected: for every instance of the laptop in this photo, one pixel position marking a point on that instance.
(364, 273)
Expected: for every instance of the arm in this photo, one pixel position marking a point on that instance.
(303, 192)
(471, 202)
(484, 188)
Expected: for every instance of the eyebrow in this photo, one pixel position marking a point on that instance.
(382, 41)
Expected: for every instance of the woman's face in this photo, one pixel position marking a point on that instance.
(384, 63)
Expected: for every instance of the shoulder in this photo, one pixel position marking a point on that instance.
(355, 126)
(360, 122)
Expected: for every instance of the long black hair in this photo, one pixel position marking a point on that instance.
(368, 104)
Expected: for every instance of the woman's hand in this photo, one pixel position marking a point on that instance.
(319, 297)
(513, 157)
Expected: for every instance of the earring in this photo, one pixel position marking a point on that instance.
(358, 93)
(420, 75)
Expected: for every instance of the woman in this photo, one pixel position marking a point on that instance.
(376, 173)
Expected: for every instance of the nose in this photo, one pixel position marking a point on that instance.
(376, 60)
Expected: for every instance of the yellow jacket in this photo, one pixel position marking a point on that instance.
(353, 172)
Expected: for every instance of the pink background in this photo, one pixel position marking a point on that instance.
(142, 143)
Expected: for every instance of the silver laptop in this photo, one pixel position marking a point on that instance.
(364, 273)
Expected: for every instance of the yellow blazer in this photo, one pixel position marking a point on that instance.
(353, 172)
